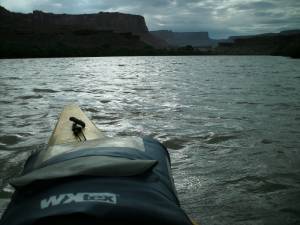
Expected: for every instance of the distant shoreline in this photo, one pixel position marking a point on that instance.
(108, 56)
(152, 52)
(103, 44)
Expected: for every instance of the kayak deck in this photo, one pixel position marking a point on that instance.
(63, 139)
(62, 132)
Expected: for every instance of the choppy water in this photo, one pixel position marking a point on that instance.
(232, 124)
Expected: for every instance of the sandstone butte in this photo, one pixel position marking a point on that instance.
(91, 34)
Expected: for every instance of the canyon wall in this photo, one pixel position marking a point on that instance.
(38, 20)
(180, 39)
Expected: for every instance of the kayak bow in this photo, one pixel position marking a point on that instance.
(85, 177)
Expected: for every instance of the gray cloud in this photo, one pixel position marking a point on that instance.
(219, 17)
(262, 5)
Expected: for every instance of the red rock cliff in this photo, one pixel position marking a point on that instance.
(50, 22)
(118, 22)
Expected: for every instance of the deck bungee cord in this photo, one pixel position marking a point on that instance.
(77, 127)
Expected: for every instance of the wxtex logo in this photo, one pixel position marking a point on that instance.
(70, 198)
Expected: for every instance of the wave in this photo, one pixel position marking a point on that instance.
(213, 138)
(175, 143)
(25, 97)
(44, 90)
(10, 139)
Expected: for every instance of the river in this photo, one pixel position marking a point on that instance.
(231, 124)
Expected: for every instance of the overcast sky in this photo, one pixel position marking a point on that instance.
(220, 18)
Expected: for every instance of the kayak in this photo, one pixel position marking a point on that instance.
(85, 177)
